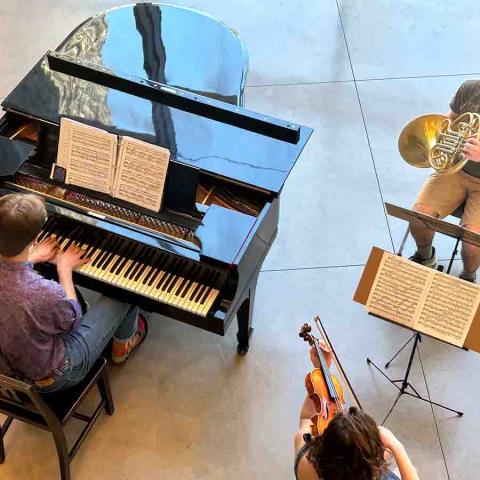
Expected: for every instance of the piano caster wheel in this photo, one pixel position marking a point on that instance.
(242, 347)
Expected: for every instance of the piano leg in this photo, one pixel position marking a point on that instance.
(244, 319)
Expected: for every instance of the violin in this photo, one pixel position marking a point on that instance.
(324, 388)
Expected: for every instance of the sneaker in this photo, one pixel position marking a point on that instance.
(429, 262)
(121, 349)
(471, 280)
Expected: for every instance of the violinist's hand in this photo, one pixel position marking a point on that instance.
(327, 354)
(388, 439)
(471, 149)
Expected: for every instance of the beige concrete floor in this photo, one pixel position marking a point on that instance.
(187, 406)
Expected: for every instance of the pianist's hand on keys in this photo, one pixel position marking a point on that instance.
(139, 268)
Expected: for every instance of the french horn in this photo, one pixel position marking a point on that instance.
(436, 141)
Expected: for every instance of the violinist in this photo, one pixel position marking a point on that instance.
(352, 446)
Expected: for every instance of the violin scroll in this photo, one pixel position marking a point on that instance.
(305, 333)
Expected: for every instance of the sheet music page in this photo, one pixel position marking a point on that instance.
(141, 173)
(64, 141)
(88, 154)
(449, 308)
(398, 290)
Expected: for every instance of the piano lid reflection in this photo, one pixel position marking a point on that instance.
(198, 259)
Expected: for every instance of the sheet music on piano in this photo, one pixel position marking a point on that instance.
(141, 172)
(87, 154)
(122, 167)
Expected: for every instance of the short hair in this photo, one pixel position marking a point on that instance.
(350, 447)
(21, 219)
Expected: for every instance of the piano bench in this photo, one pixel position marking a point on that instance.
(51, 411)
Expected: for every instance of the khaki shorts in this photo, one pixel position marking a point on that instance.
(445, 193)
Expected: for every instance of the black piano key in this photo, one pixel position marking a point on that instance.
(207, 290)
(47, 228)
(121, 252)
(176, 274)
(93, 246)
(159, 264)
(100, 246)
(111, 253)
(148, 280)
(205, 285)
(104, 250)
(132, 257)
(159, 280)
(75, 234)
(191, 276)
(201, 282)
(177, 271)
(126, 257)
(179, 281)
(197, 278)
(187, 277)
(137, 255)
(171, 265)
(87, 237)
(146, 264)
(110, 261)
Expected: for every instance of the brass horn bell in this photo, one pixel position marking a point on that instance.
(436, 141)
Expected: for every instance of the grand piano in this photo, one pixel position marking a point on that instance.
(173, 77)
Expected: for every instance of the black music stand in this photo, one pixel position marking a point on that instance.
(403, 382)
(451, 230)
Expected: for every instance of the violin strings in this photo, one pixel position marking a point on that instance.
(329, 381)
(331, 386)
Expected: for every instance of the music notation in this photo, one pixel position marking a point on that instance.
(423, 299)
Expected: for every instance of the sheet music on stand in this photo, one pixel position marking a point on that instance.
(433, 223)
(421, 299)
(425, 301)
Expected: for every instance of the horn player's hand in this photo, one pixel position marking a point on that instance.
(471, 149)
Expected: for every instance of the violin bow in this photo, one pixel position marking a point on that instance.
(340, 369)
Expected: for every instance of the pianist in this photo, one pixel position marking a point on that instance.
(44, 336)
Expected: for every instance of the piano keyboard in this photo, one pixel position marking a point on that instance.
(139, 268)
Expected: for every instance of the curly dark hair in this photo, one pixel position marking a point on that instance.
(349, 449)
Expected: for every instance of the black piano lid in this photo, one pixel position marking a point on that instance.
(171, 45)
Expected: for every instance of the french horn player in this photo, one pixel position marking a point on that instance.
(450, 144)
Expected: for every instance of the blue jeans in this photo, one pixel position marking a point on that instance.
(105, 319)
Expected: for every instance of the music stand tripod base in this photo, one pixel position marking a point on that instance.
(404, 383)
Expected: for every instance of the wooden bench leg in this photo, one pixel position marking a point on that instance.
(2, 448)
(63, 456)
(105, 392)
(3, 431)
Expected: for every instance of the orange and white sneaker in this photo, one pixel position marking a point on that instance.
(121, 349)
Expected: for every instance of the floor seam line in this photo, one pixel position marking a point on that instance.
(365, 126)
(323, 267)
(433, 414)
(320, 267)
(288, 84)
(413, 77)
